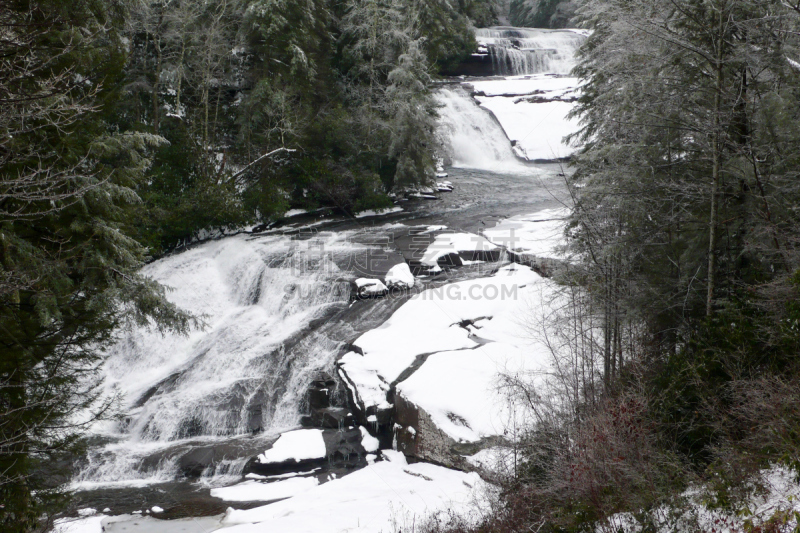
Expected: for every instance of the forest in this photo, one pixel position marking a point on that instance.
(131, 128)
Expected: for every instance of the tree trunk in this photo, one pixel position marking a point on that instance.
(715, 172)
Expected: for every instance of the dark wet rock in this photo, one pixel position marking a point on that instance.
(420, 438)
(329, 418)
(450, 260)
(544, 266)
(489, 256)
(196, 461)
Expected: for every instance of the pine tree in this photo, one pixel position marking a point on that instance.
(69, 271)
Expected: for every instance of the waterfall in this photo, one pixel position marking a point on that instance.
(245, 372)
(471, 136)
(520, 51)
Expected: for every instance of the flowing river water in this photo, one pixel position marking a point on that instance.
(277, 308)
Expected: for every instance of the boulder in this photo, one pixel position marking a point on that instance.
(342, 449)
(369, 288)
(417, 436)
(400, 276)
(449, 260)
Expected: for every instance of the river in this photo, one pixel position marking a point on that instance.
(277, 307)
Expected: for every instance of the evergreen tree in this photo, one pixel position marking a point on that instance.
(69, 272)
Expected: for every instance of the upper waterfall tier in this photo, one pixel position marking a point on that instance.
(519, 51)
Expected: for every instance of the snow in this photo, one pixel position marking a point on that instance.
(781, 495)
(497, 459)
(370, 287)
(400, 276)
(429, 323)
(92, 524)
(295, 212)
(537, 128)
(462, 390)
(156, 509)
(375, 499)
(368, 442)
(300, 445)
(538, 233)
(448, 243)
(259, 491)
(88, 511)
(374, 213)
(280, 476)
(135, 523)
(543, 85)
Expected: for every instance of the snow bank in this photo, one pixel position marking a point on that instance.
(498, 460)
(92, 524)
(300, 445)
(378, 212)
(780, 501)
(382, 497)
(260, 491)
(538, 234)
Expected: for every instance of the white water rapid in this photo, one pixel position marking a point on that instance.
(518, 51)
(246, 372)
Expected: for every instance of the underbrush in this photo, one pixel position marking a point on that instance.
(616, 469)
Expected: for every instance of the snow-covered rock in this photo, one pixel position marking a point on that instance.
(532, 111)
(260, 491)
(370, 443)
(400, 276)
(384, 496)
(471, 333)
(462, 390)
(370, 288)
(466, 246)
(297, 446)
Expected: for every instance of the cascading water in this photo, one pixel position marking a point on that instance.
(471, 136)
(520, 51)
(245, 373)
